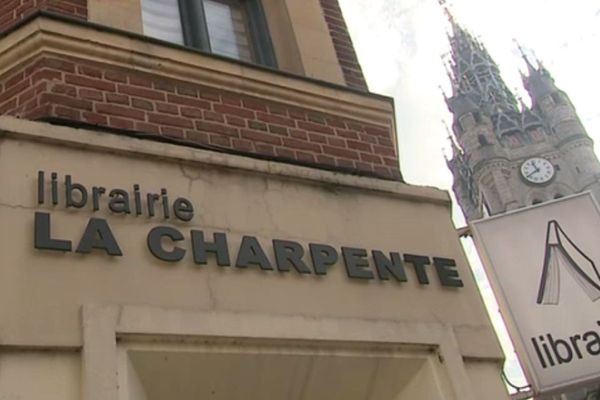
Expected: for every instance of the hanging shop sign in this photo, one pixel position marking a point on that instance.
(544, 264)
(166, 243)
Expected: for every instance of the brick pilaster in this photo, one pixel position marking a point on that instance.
(343, 45)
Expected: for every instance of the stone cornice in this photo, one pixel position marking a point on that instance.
(112, 143)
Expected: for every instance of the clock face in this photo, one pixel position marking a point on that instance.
(537, 170)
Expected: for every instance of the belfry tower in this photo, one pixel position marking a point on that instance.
(505, 154)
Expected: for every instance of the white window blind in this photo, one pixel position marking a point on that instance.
(228, 29)
(222, 27)
(162, 20)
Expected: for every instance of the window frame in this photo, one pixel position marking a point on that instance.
(195, 29)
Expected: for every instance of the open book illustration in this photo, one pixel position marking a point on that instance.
(561, 255)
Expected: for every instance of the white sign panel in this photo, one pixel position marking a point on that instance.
(544, 264)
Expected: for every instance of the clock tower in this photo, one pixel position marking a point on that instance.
(506, 154)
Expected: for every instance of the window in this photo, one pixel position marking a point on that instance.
(558, 98)
(525, 138)
(486, 207)
(159, 17)
(511, 140)
(536, 134)
(231, 28)
(482, 140)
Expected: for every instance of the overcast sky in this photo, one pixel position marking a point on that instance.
(400, 44)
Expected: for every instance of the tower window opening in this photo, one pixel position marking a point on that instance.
(458, 128)
(472, 81)
(511, 140)
(486, 207)
(558, 98)
(536, 135)
(467, 82)
(526, 138)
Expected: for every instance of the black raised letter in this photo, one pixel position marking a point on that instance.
(386, 266)
(98, 235)
(356, 262)
(219, 248)
(42, 239)
(446, 272)
(69, 188)
(165, 203)
(41, 187)
(419, 263)
(137, 199)
(289, 255)
(96, 193)
(183, 209)
(119, 201)
(322, 256)
(252, 253)
(154, 243)
(151, 199)
(54, 187)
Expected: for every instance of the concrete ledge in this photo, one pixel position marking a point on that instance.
(112, 143)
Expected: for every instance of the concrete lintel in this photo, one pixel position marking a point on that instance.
(103, 324)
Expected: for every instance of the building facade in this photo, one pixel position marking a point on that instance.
(202, 199)
(506, 154)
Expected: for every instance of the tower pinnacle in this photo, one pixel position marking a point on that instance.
(530, 67)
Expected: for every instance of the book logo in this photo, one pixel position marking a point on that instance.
(562, 254)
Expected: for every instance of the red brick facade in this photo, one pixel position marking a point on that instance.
(343, 45)
(13, 11)
(72, 91)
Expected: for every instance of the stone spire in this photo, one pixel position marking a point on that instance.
(538, 81)
(475, 76)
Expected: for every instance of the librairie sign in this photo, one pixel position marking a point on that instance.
(544, 265)
(169, 244)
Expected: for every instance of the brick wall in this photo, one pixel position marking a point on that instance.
(343, 45)
(13, 11)
(72, 91)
